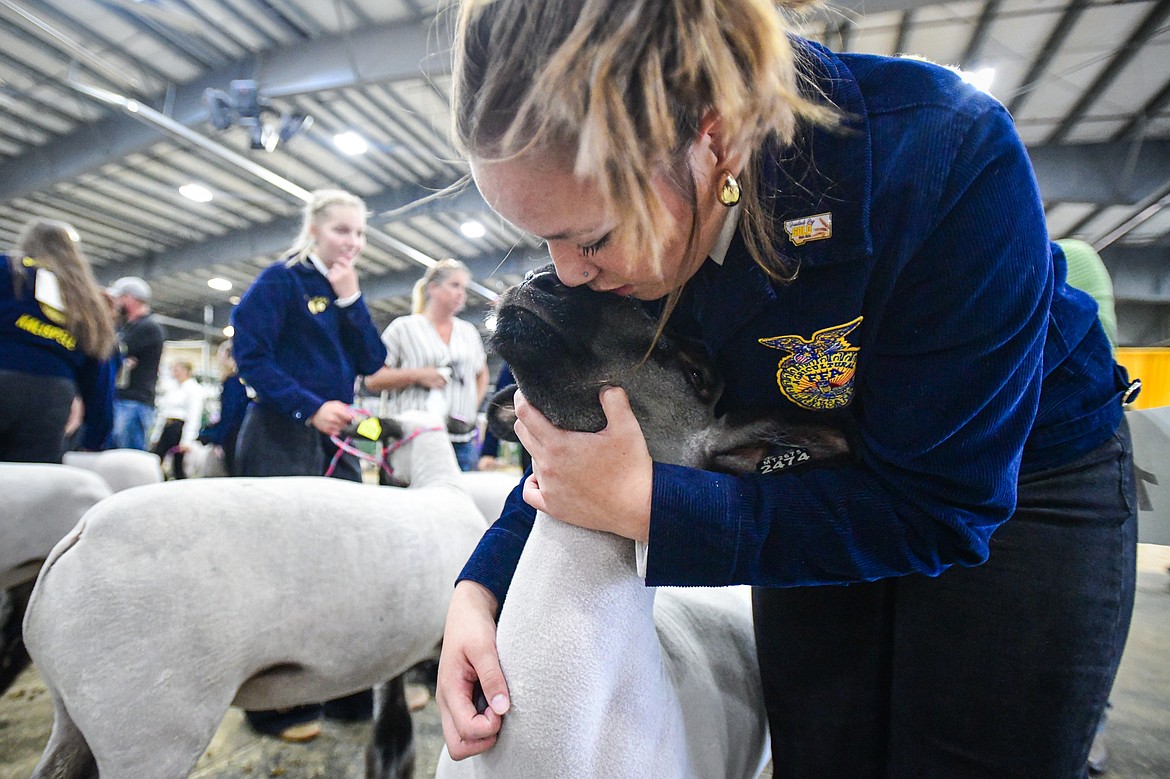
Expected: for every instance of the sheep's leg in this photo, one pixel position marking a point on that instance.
(13, 656)
(134, 727)
(67, 755)
(391, 751)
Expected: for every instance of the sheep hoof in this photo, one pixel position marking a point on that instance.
(416, 696)
(301, 732)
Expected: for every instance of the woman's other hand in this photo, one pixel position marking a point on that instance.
(332, 417)
(432, 378)
(469, 659)
(600, 481)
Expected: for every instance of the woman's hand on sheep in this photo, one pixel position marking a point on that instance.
(469, 657)
(600, 481)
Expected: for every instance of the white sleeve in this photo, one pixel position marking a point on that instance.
(194, 407)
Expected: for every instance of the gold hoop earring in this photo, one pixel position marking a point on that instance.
(729, 191)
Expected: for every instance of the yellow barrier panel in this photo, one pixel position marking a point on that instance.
(1152, 366)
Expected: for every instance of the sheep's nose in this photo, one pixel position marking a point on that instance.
(544, 279)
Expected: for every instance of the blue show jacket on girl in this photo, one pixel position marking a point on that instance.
(930, 310)
(32, 342)
(296, 347)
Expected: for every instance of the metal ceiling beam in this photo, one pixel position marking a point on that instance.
(1149, 26)
(880, 6)
(1104, 173)
(1139, 273)
(1135, 127)
(979, 36)
(400, 284)
(1083, 173)
(382, 53)
(272, 238)
(1039, 66)
(905, 26)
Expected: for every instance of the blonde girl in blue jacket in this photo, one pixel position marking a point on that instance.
(851, 236)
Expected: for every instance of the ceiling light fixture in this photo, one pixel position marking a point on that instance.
(473, 229)
(220, 283)
(351, 143)
(196, 192)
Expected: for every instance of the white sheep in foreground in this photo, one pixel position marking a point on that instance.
(121, 468)
(42, 502)
(609, 678)
(170, 602)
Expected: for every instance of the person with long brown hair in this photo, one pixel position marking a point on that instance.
(855, 239)
(56, 342)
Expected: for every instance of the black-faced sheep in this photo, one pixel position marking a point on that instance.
(609, 678)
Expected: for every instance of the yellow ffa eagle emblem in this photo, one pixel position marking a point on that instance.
(318, 304)
(818, 372)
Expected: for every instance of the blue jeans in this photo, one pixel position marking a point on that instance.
(132, 423)
(467, 454)
(999, 670)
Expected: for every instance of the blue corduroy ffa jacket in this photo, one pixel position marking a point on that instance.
(31, 341)
(296, 347)
(929, 314)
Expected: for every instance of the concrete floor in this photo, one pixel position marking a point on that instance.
(1138, 734)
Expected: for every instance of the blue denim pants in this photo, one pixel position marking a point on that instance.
(466, 454)
(132, 423)
(998, 670)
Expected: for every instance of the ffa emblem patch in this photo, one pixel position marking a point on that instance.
(318, 304)
(809, 228)
(818, 372)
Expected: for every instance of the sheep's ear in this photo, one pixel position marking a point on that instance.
(392, 430)
(501, 414)
(456, 426)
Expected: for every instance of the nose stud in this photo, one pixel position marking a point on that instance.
(585, 273)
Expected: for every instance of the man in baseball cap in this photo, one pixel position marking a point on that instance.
(132, 286)
(140, 339)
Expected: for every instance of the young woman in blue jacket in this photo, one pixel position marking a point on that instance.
(851, 235)
(57, 342)
(302, 336)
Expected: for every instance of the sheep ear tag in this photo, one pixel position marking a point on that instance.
(780, 458)
(370, 428)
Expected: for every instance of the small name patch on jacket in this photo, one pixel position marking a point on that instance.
(809, 228)
(818, 372)
(318, 304)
